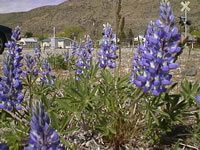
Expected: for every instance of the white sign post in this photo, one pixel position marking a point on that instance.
(186, 9)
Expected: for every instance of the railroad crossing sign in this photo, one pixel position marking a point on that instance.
(185, 6)
(185, 9)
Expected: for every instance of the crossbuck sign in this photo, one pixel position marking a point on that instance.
(186, 9)
(185, 6)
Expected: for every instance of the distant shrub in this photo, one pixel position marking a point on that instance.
(72, 32)
(196, 33)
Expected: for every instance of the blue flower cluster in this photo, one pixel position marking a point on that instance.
(108, 51)
(37, 53)
(31, 67)
(47, 74)
(84, 53)
(3, 146)
(42, 137)
(197, 97)
(10, 85)
(156, 57)
(74, 48)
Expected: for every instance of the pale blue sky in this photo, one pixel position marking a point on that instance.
(7, 6)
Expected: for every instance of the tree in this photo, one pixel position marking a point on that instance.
(118, 16)
(41, 37)
(122, 35)
(118, 20)
(28, 34)
(72, 32)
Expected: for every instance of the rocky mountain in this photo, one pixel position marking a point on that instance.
(91, 14)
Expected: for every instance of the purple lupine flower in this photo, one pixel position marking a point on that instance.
(30, 66)
(47, 74)
(156, 57)
(84, 53)
(74, 48)
(42, 137)
(16, 34)
(3, 146)
(37, 52)
(198, 98)
(108, 51)
(10, 84)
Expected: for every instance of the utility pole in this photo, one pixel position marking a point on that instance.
(185, 8)
(53, 39)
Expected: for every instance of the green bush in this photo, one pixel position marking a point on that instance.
(58, 62)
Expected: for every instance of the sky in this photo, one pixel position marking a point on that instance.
(7, 6)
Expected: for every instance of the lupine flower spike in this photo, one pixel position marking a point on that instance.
(10, 84)
(37, 53)
(156, 57)
(47, 74)
(30, 66)
(74, 48)
(84, 54)
(108, 52)
(42, 137)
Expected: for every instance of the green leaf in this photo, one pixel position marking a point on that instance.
(112, 130)
(54, 119)
(65, 122)
(154, 117)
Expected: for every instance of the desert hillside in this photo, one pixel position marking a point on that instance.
(91, 14)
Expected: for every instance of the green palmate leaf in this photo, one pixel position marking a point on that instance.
(189, 91)
(94, 91)
(63, 103)
(77, 92)
(16, 136)
(180, 105)
(112, 130)
(124, 79)
(94, 69)
(64, 123)
(163, 113)
(54, 119)
(154, 118)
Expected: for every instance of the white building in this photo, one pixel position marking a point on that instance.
(46, 43)
(58, 43)
(30, 42)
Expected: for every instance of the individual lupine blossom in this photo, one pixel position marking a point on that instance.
(109, 47)
(10, 84)
(30, 66)
(42, 136)
(84, 54)
(156, 57)
(47, 74)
